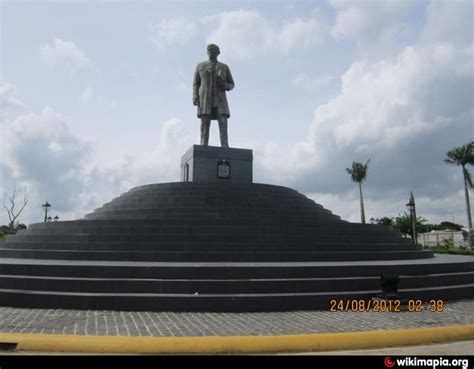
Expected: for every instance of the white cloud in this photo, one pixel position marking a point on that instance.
(245, 33)
(377, 27)
(241, 33)
(44, 142)
(360, 19)
(42, 153)
(283, 164)
(306, 82)
(162, 164)
(451, 207)
(299, 33)
(66, 54)
(172, 32)
(386, 104)
(404, 111)
(8, 97)
(449, 21)
(380, 28)
(55, 147)
(90, 97)
(87, 94)
(102, 182)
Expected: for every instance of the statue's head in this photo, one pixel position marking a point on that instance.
(213, 50)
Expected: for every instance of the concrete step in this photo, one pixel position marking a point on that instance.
(227, 230)
(211, 302)
(228, 212)
(232, 270)
(211, 189)
(215, 201)
(206, 256)
(241, 218)
(208, 246)
(193, 221)
(212, 237)
(235, 286)
(104, 226)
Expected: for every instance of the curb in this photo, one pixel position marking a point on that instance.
(237, 344)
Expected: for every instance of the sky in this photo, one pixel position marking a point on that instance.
(96, 97)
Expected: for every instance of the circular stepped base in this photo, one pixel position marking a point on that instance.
(187, 256)
(216, 247)
(143, 286)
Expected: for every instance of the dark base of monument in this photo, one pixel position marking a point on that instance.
(217, 247)
(201, 303)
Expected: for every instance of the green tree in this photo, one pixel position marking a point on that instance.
(5, 230)
(428, 227)
(402, 223)
(385, 221)
(358, 174)
(462, 156)
(448, 225)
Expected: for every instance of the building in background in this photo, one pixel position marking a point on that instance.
(442, 237)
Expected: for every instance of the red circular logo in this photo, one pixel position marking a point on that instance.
(388, 362)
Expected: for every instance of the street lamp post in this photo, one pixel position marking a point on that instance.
(412, 207)
(46, 205)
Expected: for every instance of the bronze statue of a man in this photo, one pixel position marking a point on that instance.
(211, 80)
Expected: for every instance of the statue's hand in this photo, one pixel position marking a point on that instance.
(195, 102)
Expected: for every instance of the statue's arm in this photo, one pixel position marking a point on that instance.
(196, 84)
(229, 81)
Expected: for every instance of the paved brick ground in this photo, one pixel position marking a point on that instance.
(166, 324)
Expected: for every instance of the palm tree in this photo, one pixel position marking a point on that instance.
(358, 173)
(462, 156)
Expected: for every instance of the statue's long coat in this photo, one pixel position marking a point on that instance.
(202, 87)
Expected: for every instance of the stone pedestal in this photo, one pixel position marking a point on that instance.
(216, 164)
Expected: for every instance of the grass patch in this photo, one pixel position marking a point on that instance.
(452, 250)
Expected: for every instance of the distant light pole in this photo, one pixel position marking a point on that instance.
(412, 207)
(50, 219)
(372, 220)
(56, 218)
(46, 205)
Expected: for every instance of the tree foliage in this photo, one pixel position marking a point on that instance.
(6, 230)
(358, 171)
(462, 156)
(385, 221)
(402, 223)
(358, 174)
(441, 226)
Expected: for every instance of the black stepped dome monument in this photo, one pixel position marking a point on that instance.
(216, 241)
